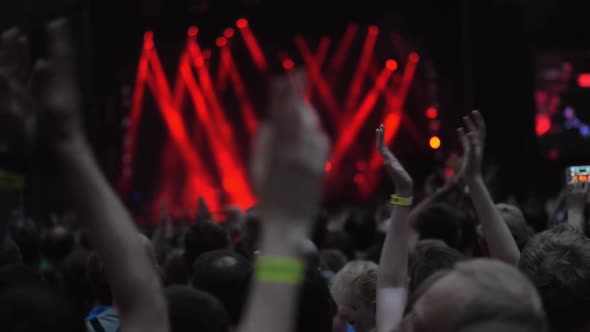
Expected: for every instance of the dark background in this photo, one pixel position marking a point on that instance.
(481, 51)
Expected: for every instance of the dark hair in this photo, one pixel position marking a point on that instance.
(203, 237)
(174, 269)
(316, 307)
(361, 226)
(440, 221)
(34, 309)
(76, 283)
(193, 310)
(29, 242)
(57, 243)
(341, 241)
(18, 275)
(99, 284)
(226, 275)
(429, 257)
(9, 253)
(332, 260)
(558, 263)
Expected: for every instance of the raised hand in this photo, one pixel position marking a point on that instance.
(290, 153)
(473, 144)
(17, 106)
(577, 195)
(403, 181)
(57, 87)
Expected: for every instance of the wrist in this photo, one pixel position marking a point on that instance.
(474, 180)
(282, 238)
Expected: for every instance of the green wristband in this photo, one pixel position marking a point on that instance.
(401, 201)
(282, 270)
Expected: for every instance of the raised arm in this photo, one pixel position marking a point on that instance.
(497, 234)
(288, 169)
(392, 273)
(132, 277)
(577, 198)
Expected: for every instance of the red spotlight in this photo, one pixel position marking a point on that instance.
(192, 31)
(434, 142)
(414, 57)
(373, 30)
(288, 64)
(584, 80)
(391, 64)
(432, 113)
(228, 33)
(148, 40)
(328, 166)
(242, 23)
(221, 41)
(148, 35)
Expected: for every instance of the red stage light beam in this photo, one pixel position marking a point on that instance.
(350, 132)
(320, 57)
(177, 130)
(248, 113)
(315, 75)
(343, 49)
(361, 70)
(252, 44)
(233, 180)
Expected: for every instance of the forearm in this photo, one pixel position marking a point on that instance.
(273, 306)
(392, 273)
(575, 217)
(500, 241)
(133, 279)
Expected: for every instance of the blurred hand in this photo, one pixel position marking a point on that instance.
(577, 195)
(51, 95)
(17, 106)
(57, 86)
(290, 153)
(404, 185)
(473, 144)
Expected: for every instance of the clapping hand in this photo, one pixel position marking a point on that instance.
(290, 153)
(473, 144)
(402, 180)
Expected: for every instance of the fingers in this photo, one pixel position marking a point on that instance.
(60, 49)
(380, 133)
(464, 140)
(469, 124)
(481, 125)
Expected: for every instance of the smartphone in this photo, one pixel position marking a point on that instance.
(575, 174)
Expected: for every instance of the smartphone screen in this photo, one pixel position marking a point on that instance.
(575, 174)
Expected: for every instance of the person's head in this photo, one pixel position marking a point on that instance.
(341, 288)
(361, 226)
(429, 257)
(9, 253)
(226, 275)
(76, 283)
(440, 221)
(193, 310)
(34, 309)
(364, 299)
(175, 270)
(316, 307)
(342, 241)
(558, 263)
(516, 222)
(332, 260)
(19, 275)
(29, 243)
(57, 243)
(474, 291)
(99, 284)
(203, 237)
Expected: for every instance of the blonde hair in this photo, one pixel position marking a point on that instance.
(365, 287)
(343, 280)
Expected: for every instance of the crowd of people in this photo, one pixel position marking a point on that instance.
(453, 261)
